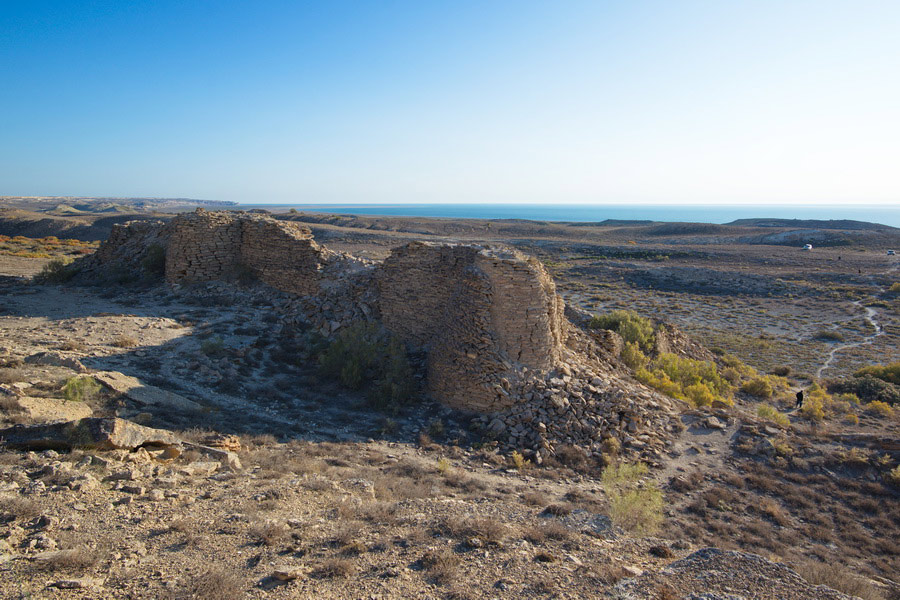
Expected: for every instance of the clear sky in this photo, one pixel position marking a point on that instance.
(718, 101)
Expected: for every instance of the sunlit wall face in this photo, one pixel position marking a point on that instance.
(656, 102)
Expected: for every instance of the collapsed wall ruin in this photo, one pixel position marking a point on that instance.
(488, 319)
(485, 315)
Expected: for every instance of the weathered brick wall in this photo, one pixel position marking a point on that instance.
(203, 246)
(486, 317)
(282, 254)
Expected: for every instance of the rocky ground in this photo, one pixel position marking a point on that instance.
(328, 498)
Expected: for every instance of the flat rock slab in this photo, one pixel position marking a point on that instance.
(45, 410)
(56, 359)
(92, 433)
(146, 395)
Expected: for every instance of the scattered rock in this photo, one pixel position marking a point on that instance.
(92, 433)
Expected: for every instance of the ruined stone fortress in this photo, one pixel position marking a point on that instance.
(489, 319)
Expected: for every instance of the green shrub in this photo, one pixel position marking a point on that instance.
(57, 270)
(695, 381)
(759, 387)
(770, 413)
(829, 336)
(889, 373)
(214, 346)
(633, 505)
(627, 323)
(154, 262)
(80, 389)
(895, 288)
(882, 409)
(365, 355)
(633, 357)
(813, 408)
(868, 388)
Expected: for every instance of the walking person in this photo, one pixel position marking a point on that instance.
(799, 404)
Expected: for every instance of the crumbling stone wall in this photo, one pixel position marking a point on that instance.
(126, 248)
(203, 246)
(213, 245)
(485, 316)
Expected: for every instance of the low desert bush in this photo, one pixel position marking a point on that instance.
(838, 578)
(440, 564)
(334, 568)
(154, 262)
(125, 341)
(18, 507)
(889, 373)
(80, 558)
(867, 387)
(770, 413)
(759, 387)
(827, 335)
(695, 381)
(634, 504)
(633, 357)
(879, 408)
(81, 389)
(213, 347)
(57, 270)
(216, 583)
(365, 355)
(12, 375)
(627, 323)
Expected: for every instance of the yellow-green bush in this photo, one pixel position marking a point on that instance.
(695, 381)
(893, 476)
(813, 408)
(627, 323)
(759, 387)
(882, 409)
(770, 413)
(889, 373)
(633, 505)
(633, 357)
(80, 389)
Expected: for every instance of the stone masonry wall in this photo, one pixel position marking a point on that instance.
(203, 246)
(486, 317)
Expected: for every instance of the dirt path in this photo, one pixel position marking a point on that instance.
(871, 313)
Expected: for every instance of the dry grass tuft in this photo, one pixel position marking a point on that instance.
(839, 578)
(125, 341)
(269, 533)
(80, 558)
(17, 507)
(215, 583)
(334, 568)
(440, 564)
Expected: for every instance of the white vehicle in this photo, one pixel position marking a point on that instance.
(890, 253)
(807, 247)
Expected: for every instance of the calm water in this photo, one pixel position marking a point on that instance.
(590, 213)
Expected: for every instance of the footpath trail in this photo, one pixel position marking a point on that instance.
(871, 314)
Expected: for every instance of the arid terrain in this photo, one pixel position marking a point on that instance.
(252, 472)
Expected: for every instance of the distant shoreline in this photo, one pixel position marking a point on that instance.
(580, 213)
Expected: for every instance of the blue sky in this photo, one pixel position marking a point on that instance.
(349, 102)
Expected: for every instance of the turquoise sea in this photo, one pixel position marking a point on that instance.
(885, 215)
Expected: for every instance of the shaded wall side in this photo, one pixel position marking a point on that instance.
(415, 289)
